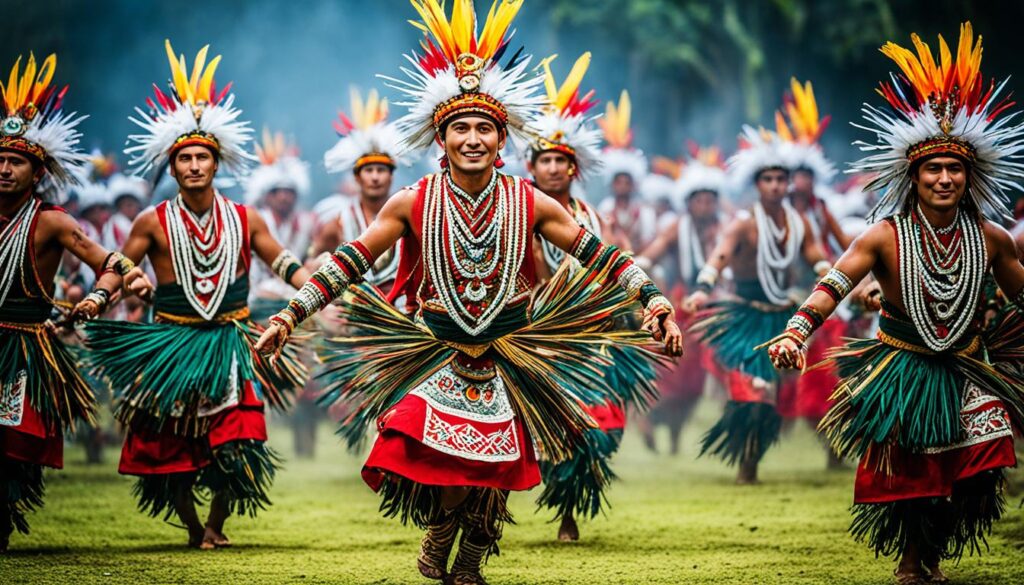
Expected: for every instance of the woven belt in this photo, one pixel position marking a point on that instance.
(236, 315)
(887, 339)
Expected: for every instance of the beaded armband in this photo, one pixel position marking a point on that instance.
(346, 265)
(118, 263)
(706, 278)
(594, 254)
(285, 265)
(835, 284)
(806, 320)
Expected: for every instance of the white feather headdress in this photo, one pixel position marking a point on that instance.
(705, 171)
(460, 72)
(366, 137)
(564, 125)
(942, 109)
(193, 114)
(760, 150)
(34, 124)
(280, 168)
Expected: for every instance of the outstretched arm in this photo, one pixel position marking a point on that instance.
(555, 224)
(346, 265)
(112, 268)
(788, 350)
(720, 257)
(653, 252)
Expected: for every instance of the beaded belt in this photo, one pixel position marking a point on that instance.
(887, 339)
(236, 315)
(23, 327)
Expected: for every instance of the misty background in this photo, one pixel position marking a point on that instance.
(696, 70)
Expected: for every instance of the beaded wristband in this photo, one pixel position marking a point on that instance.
(835, 284)
(806, 320)
(706, 278)
(346, 265)
(285, 265)
(100, 296)
(118, 263)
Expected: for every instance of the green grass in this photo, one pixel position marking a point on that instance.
(673, 520)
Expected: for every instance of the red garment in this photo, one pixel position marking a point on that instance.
(742, 389)
(400, 449)
(32, 441)
(814, 388)
(988, 445)
(148, 452)
(686, 378)
(609, 416)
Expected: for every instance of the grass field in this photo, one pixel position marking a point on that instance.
(673, 520)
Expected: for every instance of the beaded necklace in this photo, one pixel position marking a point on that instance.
(14, 241)
(474, 246)
(691, 250)
(353, 224)
(585, 218)
(204, 251)
(774, 256)
(940, 283)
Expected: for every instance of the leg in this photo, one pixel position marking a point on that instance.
(568, 531)
(747, 474)
(437, 543)
(219, 512)
(482, 518)
(647, 430)
(185, 506)
(909, 570)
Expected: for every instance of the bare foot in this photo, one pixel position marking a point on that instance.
(568, 531)
(196, 540)
(910, 577)
(217, 539)
(935, 573)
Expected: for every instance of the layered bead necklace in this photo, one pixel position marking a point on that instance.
(474, 247)
(691, 250)
(940, 283)
(585, 218)
(774, 256)
(14, 242)
(204, 251)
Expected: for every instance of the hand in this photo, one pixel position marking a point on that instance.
(273, 340)
(787, 354)
(695, 302)
(869, 296)
(664, 328)
(137, 283)
(87, 309)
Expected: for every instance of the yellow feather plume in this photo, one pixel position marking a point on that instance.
(930, 78)
(615, 123)
(196, 88)
(24, 87)
(456, 36)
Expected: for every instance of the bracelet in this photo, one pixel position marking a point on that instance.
(804, 322)
(659, 305)
(835, 284)
(286, 265)
(346, 265)
(118, 263)
(706, 278)
(99, 296)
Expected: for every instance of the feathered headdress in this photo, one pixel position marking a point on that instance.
(34, 124)
(460, 72)
(193, 113)
(366, 137)
(800, 124)
(619, 155)
(564, 125)
(279, 168)
(704, 171)
(759, 150)
(942, 109)
(121, 185)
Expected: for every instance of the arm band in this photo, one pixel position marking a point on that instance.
(100, 296)
(285, 265)
(706, 278)
(806, 320)
(346, 265)
(595, 255)
(835, 284)
(118, 263)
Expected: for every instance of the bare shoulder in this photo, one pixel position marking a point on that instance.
(877, 235)
(255, 219)
(146, 221)
(995, 233)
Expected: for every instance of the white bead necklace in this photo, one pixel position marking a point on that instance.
(14, 242)
(940, 284)
(456, 256)
(198, 259)
(772, 262)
